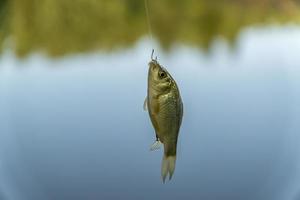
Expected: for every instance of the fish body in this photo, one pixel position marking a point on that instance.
(165, 109)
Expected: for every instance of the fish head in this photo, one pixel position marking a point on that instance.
(159, 78)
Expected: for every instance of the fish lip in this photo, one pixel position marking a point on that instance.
(153, 64)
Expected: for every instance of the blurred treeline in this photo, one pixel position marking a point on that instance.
(58, 27)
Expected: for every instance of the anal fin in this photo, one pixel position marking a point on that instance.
(156, 145)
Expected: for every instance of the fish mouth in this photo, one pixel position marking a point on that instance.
(153, 70)
(153, 64)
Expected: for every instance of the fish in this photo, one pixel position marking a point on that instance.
(165, 108)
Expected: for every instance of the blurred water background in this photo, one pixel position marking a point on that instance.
(73, 81)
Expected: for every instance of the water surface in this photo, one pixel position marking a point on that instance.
(74, 128)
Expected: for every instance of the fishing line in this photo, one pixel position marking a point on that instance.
(149, 25)
(148, 19)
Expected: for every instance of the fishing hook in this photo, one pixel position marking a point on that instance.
(152, 56)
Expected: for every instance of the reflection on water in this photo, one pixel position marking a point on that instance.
(62, 26)
(74, 128)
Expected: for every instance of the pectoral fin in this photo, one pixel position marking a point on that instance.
(155, 106)
(145, 104)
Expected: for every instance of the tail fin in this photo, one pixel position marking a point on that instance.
(168, 166)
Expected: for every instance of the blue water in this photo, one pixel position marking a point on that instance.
(74, 127)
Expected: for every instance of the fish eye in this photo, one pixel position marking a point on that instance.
(162, 74)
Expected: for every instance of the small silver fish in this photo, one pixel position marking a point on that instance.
(165, 110)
